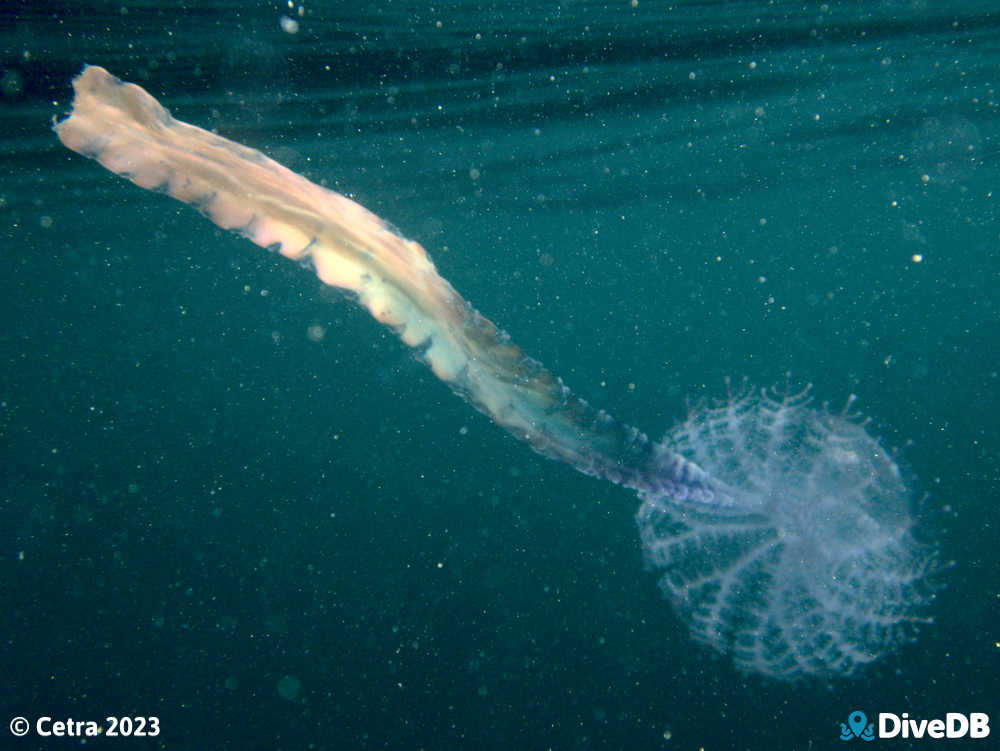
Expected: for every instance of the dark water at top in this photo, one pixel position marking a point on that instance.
(231, 500)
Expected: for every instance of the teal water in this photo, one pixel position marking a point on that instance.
(202, 496)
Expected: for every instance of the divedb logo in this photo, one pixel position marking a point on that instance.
(890, 725)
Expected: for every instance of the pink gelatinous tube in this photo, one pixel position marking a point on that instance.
(130, 133)
(791, 551)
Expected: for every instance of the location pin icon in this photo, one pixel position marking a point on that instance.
(857, 721)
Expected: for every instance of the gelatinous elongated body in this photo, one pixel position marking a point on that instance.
(130, 133)
(783, 532)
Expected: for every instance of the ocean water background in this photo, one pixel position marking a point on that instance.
(231, 500)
